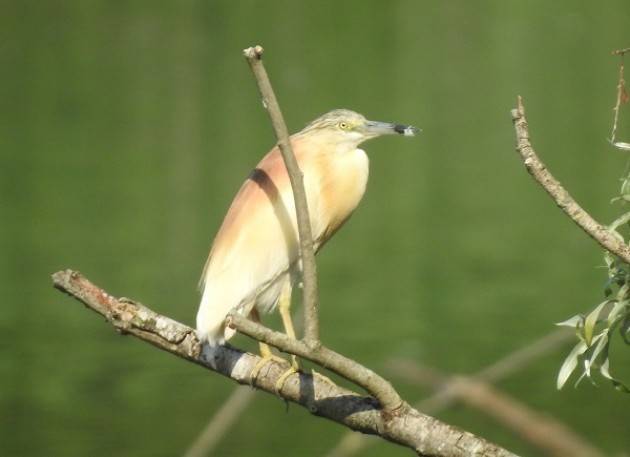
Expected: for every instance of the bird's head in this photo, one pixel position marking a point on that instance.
(343, 126)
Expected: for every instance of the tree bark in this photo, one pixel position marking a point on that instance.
(408, 427)
(605, 237)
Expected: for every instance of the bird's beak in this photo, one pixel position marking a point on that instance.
(375, 128)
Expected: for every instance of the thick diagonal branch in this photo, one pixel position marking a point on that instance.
(444, 397)
(607, 239)
(543, 431)
(307, 253)
(425, 435)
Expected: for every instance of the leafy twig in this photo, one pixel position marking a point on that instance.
(595, 329)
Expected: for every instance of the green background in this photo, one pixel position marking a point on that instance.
(127, 126)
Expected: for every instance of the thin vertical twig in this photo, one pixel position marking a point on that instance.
(622, 96)
(307, 253)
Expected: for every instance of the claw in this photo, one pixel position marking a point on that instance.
(264, 360)
(295, 368)
(283, 379)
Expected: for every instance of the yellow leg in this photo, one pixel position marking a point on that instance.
(265, 350)
(284, 307)
(265, 353)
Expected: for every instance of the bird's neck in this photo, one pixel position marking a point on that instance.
(318, 146)
(321, 144)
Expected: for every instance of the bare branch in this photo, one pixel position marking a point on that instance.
(408, 427)
(621, 96)
(541, 430)
(352, 443)
(381, 389)
(519, 359)
(621, 52)
(307, 253)
(563, 199)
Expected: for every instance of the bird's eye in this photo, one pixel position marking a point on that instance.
(343, 125)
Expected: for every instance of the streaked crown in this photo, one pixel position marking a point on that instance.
(343, 119)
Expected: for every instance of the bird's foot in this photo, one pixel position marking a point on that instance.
(294, 368)
(266, 357)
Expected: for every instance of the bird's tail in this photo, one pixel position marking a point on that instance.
(211, 319)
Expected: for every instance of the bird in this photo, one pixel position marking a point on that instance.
(254, 264)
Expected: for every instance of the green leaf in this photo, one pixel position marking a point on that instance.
(609, 259)
(570, 363)
(573, 322)
(625, 218)
(624, 329)
(600, 343)
(591, 320)
(616, 312)
(604, 370)
(579, 380)
(623, 292)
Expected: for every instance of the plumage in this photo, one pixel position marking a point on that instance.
(255, 252)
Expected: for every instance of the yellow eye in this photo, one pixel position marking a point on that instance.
(343, 126)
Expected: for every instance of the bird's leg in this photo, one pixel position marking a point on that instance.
(284, 307)
(266, 355)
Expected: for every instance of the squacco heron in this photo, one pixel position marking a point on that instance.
(253, 264)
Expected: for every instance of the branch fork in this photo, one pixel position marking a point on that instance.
(310, 346)
(253, 55)
(392, 418)
(408, 427)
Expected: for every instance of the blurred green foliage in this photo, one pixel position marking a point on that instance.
(595, 331)
(127, 127)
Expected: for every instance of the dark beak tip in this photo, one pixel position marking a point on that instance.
(406, 130)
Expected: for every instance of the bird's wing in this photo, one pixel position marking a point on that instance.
(257, 236)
